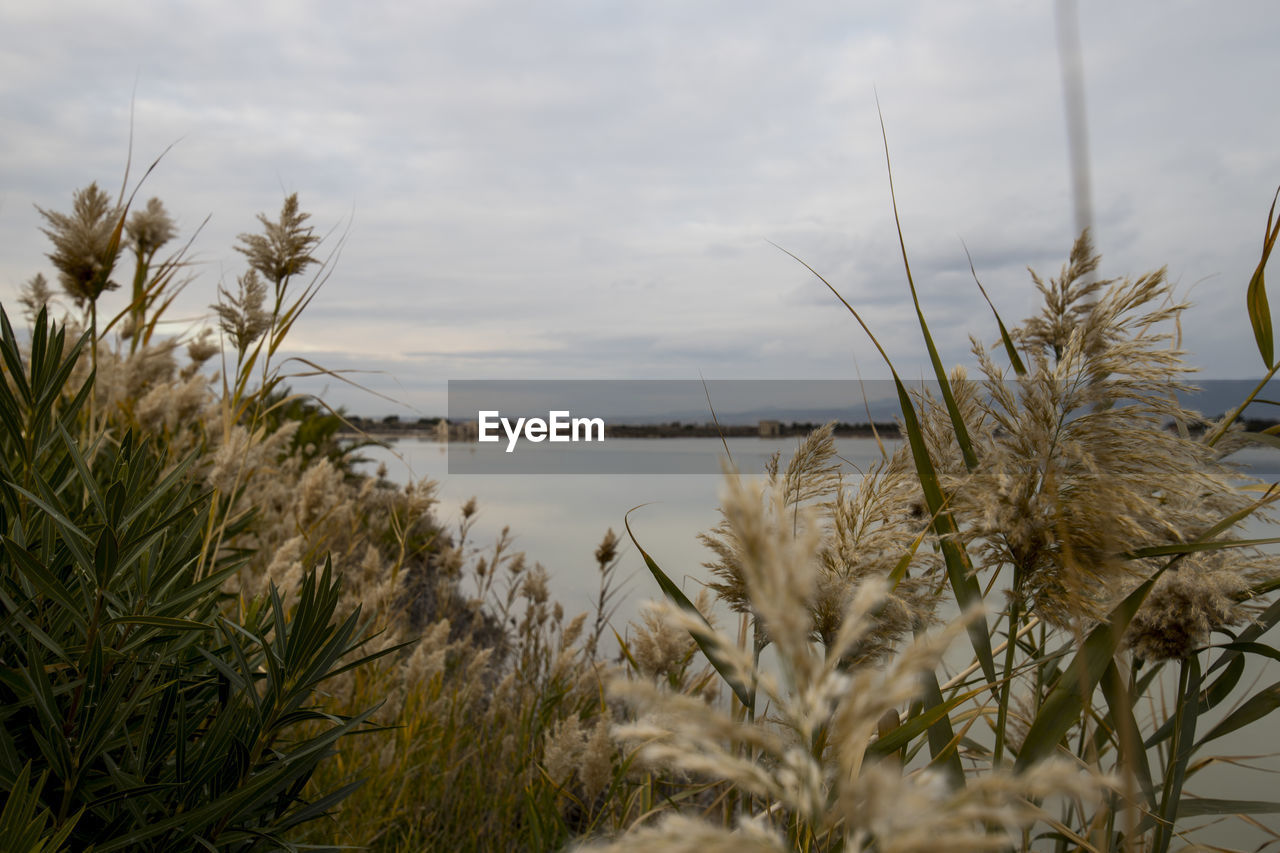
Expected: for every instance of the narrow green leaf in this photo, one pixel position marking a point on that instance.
(900, 568)
(675, 594)
(1210, 698)
(280, 645)
(1200, 806)
(1184, 744)
(1217, 692)
(45, 581)
(939, 371)
(1198, 547)
(959, 569)
(106, 557)
(942, 737)
(40, 692)
(161, 489)
(247, 672)
(1256, 296)
(1259, 626)
(87, 480)
(372, 656)
(160, 622)
(1255, 708)
(31, 629)
(1128, 735)
(1010, 350)
(1062, 709)
(1260, 649)
(626, 651)
(11, 351)
(320, 807)
(918, 723)
(72, 536)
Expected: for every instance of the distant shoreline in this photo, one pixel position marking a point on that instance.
(389, 428)
(429, 428)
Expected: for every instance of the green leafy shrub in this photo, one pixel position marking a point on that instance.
(163, 717)
(221, 497)
(24, 821)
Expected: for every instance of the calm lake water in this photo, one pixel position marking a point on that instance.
(559, 520)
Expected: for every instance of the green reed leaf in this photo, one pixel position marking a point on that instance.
(1197, 547)
(1255, 708)
(1256, 297)
(1010, 350)
(900, 568)
(942, 738)
(1253, 649)
(1128, 735)
(1210, 697)
(1200, 806)
(914, 725)
(940, 372)
(1062, 709)
(169, 622)
(959, 569)
(1184, 744)
(1259, 626)
(673, 592)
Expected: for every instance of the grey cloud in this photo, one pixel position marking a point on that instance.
(552, 183)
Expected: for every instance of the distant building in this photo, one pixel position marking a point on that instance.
(770, 429)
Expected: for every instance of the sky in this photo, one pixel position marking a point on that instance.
(593, 189)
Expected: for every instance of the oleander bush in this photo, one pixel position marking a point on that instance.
(159, 718)
(202, 598)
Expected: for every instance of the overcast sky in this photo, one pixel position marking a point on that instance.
(588, 188)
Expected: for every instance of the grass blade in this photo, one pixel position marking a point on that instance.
(1010, 350)
(1066, 701)
(1258, 706)
(1128, 735)
(959, 570)
(676, 595)
(1256, 297)
(1200, 806)
(944, 386)
(1180, 752)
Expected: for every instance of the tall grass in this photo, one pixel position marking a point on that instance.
(175, 518)
(1089, 529)
(445, 660)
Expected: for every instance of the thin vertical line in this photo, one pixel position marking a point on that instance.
(1072, 61)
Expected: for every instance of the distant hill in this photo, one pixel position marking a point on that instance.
(746, 402)
(1215, 398)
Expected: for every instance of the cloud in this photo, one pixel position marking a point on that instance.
(585, 187)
